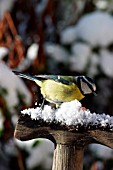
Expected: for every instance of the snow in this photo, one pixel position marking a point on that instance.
(70, 114)
(13, 84)
(5, 5)
(68, 35)
(102, 151)
(41, 6)
(38, 155)
(32, 51)
(3, 52)
(102, 4)
(24, 64)
(31, 55)
(106, 62)
(44, 155)
(56, 51)
(1, 120)
(96, 28)
(93, 67)
(80, 56)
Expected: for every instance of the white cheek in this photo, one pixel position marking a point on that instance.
(85, 88)
(87, 91)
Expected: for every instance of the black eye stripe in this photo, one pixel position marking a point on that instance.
(79, 83)
(87, 80)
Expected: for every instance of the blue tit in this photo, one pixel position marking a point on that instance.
(58, 89)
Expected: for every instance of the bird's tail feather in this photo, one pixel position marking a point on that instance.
(30, 77)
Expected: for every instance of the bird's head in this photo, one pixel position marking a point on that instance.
(86, 85)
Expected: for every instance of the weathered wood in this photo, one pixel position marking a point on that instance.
(103, 137)
(68, 157)
(27, 129)
(24, 133)
(69, 143)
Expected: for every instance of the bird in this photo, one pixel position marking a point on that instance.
(58, 89)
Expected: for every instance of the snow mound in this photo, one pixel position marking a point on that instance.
(96, 28)
(70, 114)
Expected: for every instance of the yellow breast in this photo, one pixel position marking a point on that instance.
(56, 92)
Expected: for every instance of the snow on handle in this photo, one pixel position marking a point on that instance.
(70, 114)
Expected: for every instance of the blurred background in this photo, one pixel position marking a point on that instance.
(52, 37)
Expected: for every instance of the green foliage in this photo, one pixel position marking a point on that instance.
(1, 133)
(36, 143)
(3, 91)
